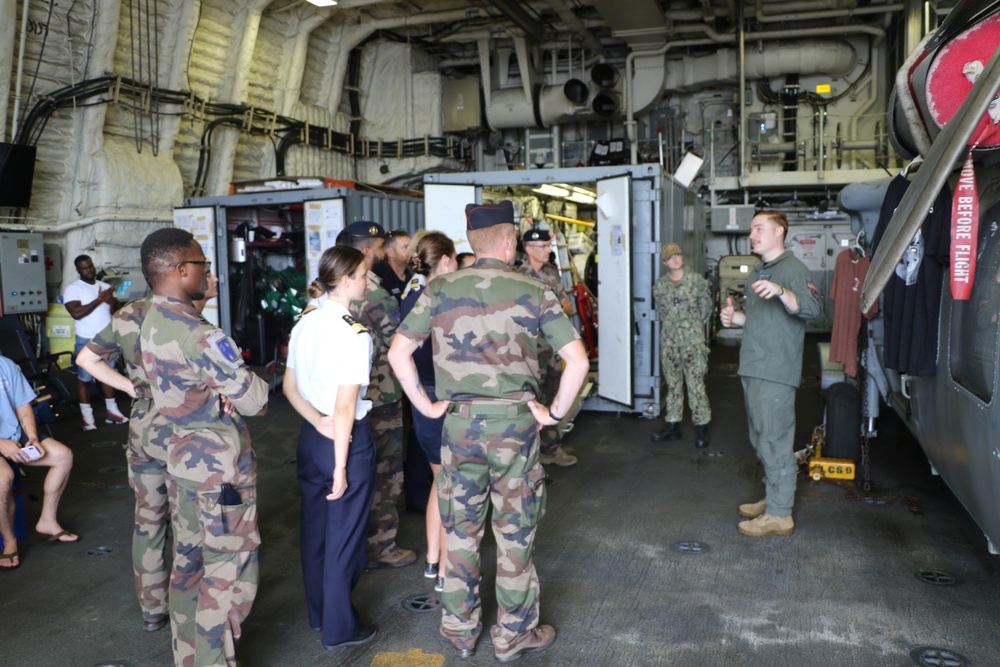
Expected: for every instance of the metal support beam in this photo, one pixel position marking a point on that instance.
(529, 24)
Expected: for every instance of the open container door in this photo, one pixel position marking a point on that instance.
(444, 211)
(614, 278)
(200, 221)
(324, 220)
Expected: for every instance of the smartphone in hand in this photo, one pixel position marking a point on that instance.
(30, 453)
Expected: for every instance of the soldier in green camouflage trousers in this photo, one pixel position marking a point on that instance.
(379, 312)
(485, 324)
(537, 244)
(683, 304)
(146, 452)
(191, 365)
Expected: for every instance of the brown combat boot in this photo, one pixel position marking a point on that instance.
(767, 525)
(394, 557)
(753, 510)
(538, 640)
(560, 458)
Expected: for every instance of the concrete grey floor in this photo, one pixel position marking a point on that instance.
(841, 591)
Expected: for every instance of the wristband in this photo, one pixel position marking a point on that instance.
(782, 292)
(552, 416)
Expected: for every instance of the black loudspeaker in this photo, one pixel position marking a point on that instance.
(17, 172)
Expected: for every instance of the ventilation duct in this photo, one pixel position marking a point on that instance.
(835, 58)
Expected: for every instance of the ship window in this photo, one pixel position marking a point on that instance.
(974, 323)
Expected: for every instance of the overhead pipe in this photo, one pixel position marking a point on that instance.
(803, 57)
(741, 131)
(806, 15)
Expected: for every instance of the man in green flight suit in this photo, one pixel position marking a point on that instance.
(780, 300)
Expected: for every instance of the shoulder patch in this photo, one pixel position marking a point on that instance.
(227, 349)
(357, 326)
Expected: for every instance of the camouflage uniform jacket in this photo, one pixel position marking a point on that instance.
(683, 309)
(379, 312)
(190, 364)
(484, 324)
(121, 338)
(549, 275)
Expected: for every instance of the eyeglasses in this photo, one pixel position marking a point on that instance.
(207, 263)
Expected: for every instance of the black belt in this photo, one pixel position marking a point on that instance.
(470, 410)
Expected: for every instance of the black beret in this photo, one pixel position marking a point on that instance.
(537, 235)
(480, 216)
(365, 228)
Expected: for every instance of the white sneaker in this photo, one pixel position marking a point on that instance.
(89, 425)
(114, 417)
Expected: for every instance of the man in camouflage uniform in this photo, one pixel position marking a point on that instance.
(683, 304)
(191, 365)
(146, 453)
(537, 243)
(485, 323)
(379, 312)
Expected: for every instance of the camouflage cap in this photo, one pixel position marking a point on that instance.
(670, 250)
(365, 229)
(537, 235)
(480, 216)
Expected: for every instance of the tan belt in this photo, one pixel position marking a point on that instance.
(471, 410)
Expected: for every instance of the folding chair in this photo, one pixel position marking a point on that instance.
(43, 372)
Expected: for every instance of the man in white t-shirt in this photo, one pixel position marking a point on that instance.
(91, 302)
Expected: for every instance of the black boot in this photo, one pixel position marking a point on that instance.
(671, 432)
(701, 441)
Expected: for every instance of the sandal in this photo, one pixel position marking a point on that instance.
(7, 562)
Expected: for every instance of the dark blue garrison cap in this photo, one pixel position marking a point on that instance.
(480, 216)
(537, 235)
(365, 229)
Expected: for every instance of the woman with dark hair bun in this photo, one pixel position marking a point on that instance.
(433, 255)
(329, 364)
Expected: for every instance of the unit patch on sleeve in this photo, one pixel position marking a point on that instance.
(227, 349)
(357, 326)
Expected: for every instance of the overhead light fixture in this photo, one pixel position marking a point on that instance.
(322, 3)
(551, 190)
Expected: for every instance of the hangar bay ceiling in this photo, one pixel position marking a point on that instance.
(135, 104)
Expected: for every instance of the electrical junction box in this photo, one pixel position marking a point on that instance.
(460, 104)
(732, 219)
(22, 274)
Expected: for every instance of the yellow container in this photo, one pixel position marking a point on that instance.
(60, 329)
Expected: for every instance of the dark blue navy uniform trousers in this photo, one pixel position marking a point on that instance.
(334, 532)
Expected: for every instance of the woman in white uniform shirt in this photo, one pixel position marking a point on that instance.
(329, 363)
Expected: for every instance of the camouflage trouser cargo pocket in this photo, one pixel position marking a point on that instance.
(534, 496)
(523, 504)
(229, 528)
